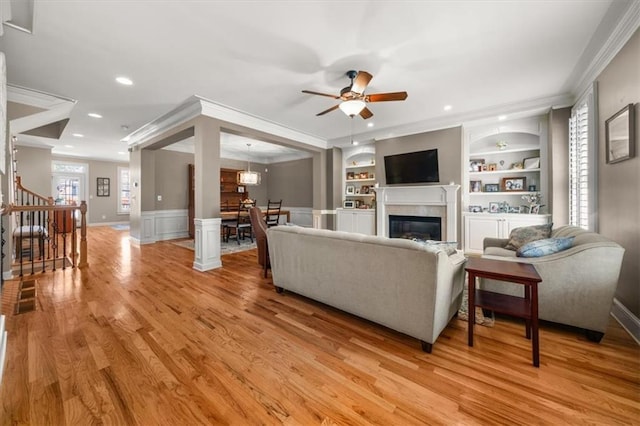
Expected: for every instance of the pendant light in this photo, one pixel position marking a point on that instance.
(247, 177)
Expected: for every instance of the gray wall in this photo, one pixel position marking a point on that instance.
(291, 182)
(448, 142)
(171, 177)
(618, 194)
(559, 165)
(34, 167)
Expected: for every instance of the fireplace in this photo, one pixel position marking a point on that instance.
(415, 227)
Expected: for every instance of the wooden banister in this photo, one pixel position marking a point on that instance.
(35, 196)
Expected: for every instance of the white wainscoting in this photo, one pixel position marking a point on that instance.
(3, 346)
(302, 216)
(162, 225)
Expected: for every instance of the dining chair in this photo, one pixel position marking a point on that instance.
(273, 213)
(260, 229)
(242, 224)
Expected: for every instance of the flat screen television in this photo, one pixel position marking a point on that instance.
(412, 167)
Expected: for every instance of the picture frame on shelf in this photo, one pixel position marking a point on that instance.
(364, 175)
(620, 135)
(531, 163)
(350, 190)
(475, 209)
(357, 191)
(513, 209)
(535, 209)
(492, 167)
(491, 187)
(494, 207)
(475, 186)
(350, 175)
(475, 165)
(364, 189)
(511, 184)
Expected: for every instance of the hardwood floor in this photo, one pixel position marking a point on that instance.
(139, 337)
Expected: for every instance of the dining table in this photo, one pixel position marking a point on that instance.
(233, 214)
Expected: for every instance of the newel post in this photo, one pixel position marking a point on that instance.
(83, 235)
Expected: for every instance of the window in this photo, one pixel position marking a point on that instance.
(582, 164)
(124, 192)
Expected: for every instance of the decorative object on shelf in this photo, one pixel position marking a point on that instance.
(531, 163)
(491, 187)
(501, 164)
(351, 190)
(494, 207)
(534, 202)
(475, 209)
(620, 135)
(492, 167)
(247, 177)
(532, 188)
(364, 175)
(357, 191)
(364, 189)
(241, 189)
(514, 210)
(516, 166)
(476, 165)
(502, 145)
(103, 187)
(350, 176)
(514, 183)
(504, 207)
(372, 175)
(535, 208)
(475, 186)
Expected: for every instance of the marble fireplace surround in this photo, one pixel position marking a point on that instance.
(433, 200)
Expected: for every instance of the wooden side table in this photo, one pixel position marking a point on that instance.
(514, 272)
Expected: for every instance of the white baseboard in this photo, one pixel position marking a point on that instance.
(124, 222)
(3, 347)
(627, 319)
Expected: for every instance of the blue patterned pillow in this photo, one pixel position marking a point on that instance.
(544, 247)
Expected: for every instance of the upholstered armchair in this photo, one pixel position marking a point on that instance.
(578, 284)
(260, 230)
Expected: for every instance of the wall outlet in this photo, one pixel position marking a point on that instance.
(104, 216)
(159, 197)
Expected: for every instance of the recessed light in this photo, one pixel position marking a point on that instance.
(447, 107)
(94, 115)
(354, 142)
(502, 117)
(126, 81)
(68, 146)
(370, 124)
(78, 135)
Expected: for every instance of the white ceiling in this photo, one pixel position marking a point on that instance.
(480, 57)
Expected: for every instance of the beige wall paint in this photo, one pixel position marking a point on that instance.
(34, 167)
(618, 194)
(559, 165)
(448, 142)
(292, 182)
(172, 181)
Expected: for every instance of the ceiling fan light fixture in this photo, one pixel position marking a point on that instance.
(352, 107)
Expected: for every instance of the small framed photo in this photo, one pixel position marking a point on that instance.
(531, 163)
(350, 176)
(513, 209)
(103, 187)
(620, 135)
(475, 186)
(491, 187)
(492, 167)
(514, 183)
(494, 207)
(535, 209)
(241, 189)
(364, 189)
(475, 209)
(372, 175)
(364, 175)
(351, 190)
(475, 165)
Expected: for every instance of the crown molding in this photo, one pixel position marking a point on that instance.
(196, 106)
(626, 26)
(36, 98)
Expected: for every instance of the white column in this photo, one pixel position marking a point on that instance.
(207, 244)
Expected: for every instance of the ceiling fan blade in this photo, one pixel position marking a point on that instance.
(383, 97)
(366, 113)
(328, 110)
(360, 83)
(321, 94)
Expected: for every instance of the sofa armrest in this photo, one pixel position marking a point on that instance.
(494, 242)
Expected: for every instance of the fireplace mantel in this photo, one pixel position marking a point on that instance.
(443, 198)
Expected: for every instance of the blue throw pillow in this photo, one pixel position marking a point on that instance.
(544, 247)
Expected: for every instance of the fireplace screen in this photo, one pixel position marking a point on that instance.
(415, 227)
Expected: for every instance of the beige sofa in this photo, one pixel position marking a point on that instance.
(578, 284)
(394, 282)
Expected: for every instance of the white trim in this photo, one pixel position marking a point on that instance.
(627, 319)
(301, 216)
(90, 225)
(195, 106)
(160, 225)
(207, 244)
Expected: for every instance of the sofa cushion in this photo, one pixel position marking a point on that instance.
(544, 247)
(526, 234)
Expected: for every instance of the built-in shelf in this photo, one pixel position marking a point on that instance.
(359, 166)
(504, 172)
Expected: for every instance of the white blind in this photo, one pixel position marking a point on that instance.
(579, 167)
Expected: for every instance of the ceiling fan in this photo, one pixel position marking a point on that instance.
(354, 101)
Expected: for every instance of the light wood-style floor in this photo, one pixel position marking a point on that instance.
(139, 337)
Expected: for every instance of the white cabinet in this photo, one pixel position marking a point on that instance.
(362, 221)
(478, 226)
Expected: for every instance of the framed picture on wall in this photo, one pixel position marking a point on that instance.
(620, 135)
(103, 187)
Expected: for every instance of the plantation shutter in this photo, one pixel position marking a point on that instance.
(579, 203)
